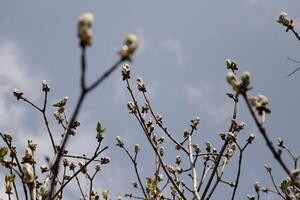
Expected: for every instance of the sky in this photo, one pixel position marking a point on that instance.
(181, 57)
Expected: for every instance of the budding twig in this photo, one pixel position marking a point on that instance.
(78, 171)
(265, 136)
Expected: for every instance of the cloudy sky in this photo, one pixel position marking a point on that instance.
(181, 57)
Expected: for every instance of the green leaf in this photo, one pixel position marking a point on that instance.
(99, 128)
(3, 152)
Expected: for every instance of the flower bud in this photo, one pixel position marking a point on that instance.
(137, 148)
(161, 151)
(28, 174)
(45, 86)
(251, 138)
(105, 194)
(141, 85)
(268, 168)
(125, 71)
(178, 160)
(231, 64)
(105, 160)
(17, 93)
(84, 28)
(284, 20)
(129, 46)
(120, 142)
(196, 148)
(195, 122)
(280, 142)
(98, 168)
(256, 186)
(245, 77)
(232, 80)
(131, 107)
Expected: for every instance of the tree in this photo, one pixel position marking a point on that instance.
(194, 174)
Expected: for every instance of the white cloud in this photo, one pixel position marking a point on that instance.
(175, 46)
(13, 74)
(206, 98)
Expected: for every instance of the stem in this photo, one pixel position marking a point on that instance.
(46, 121)
(295, 33)
(275, 186)
(238, 175)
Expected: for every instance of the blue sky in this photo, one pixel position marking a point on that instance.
(181, 57)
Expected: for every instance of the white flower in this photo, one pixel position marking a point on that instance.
(84, 28)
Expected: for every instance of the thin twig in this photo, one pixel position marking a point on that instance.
(162, 127)
(221, 151)
(79, 185)
(78, 171)
(202, 176)
(274, 185)
(133, 160)
(295, 33)
(141, 121)
(236, 183)
(79, 157)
